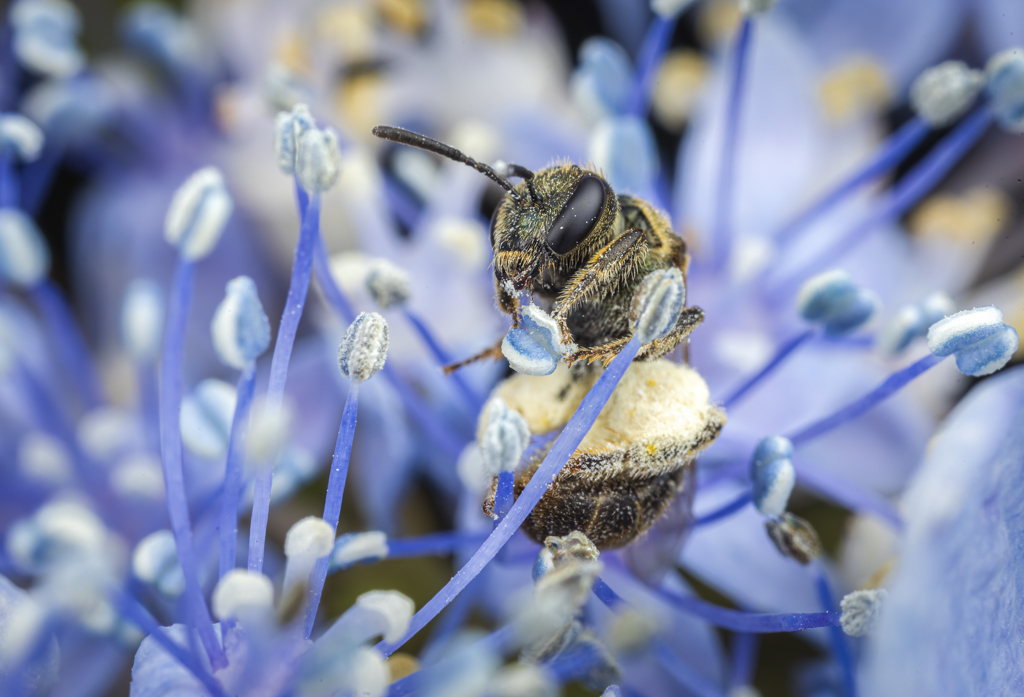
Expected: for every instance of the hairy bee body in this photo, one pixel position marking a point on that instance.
(564, 238)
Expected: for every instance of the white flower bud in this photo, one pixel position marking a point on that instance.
(198, 213)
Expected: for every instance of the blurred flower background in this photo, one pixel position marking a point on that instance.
(846, 173)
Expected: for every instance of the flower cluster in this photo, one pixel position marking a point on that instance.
(166, 428)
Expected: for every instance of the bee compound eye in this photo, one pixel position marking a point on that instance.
(578, 216)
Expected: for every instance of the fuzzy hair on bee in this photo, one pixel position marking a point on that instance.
(563, 238)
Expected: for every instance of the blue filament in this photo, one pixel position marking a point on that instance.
(309, 231)
(653, 48)
(726, 510)
(232, 492)
(694, 682)
(849, 495)
(750, 622)
(781, 355)
(170, 446)
(568, 440)
(433, 544)
(744, 658)
(503, 494)
(907, 191)
(72, 351)
(725, 186)
(840, 650)
(892, 152)
(335, 492)
(889, 387)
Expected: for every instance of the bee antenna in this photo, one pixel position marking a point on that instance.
(514, 170)
(401, 135)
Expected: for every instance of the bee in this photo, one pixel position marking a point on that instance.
(562, 236)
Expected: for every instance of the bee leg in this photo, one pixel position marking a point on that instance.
(601, 275)
(688, 320)
(491, 352)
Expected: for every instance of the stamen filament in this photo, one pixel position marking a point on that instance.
(433, 544)
(906, 193)
(725, 186)
(568, 440)
(309, 231)
(726, 510)
(10, 186)
(68, 342)
(232, 492)
(335, 492)
(840, 650)
(784, 351)
(170, 446)
(503, 494)
(848, 494)
(744, 658)
(889, 155)
(889, 387)
(652, 50)
(750, 622)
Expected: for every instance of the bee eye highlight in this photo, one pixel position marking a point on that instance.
(578, 216)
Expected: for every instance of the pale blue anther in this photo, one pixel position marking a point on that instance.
(978, 337)
(198, 213)
(1005, 73)
(505, 438)
(835, 302)
(772, 475)
(24, 256)
(912, 321)
(657, 303)
(44, 37)
(603, 82)
(623, 148)
(358, 548)
(534, 347)
(544, 563)
(20, 138)
(240, 328)
(288, 126)
(158, 31)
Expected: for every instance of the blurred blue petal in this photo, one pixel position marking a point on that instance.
(952, 622)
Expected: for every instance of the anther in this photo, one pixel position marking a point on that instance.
(365, 347)
(832, 300)
(205, 418)
(43, 458)
(1005, 73)
(794, 537)
(535, 346)
(943, 93)
(979, 339)
(358, 548)
(288, 128)
(240, 328)
(505, 438)
(388, 284)
(306, 541)
(198, 213)
(656, 304)
(772, 474)
(24, 256)
(20, 137)
(155, 561)
(861, 611)
(912, 321)
(142, 319)
(317, 160)
(243, 593)
(45, 36)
